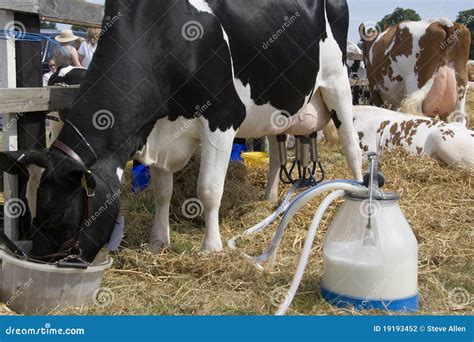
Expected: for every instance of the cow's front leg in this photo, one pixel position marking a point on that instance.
(215, 156)
(162, 190)
(271, 192)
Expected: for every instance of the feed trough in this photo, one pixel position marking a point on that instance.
(37, 288)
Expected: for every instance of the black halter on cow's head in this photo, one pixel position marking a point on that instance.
(69, 203)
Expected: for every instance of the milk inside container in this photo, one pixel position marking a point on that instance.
(371, 256)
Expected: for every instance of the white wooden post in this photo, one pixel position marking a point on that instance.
(8, 80)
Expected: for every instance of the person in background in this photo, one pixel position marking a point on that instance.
(87, 49)
(52, 70)
(66, 54)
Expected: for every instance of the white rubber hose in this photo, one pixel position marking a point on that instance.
(295, 206)
(304, 197)
(262, 225)
(305, 254)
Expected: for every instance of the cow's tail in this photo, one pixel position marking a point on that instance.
(413, 104)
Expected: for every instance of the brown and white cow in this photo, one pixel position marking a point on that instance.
(381, 129)
(419, 67)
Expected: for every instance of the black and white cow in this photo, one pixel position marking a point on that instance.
(69, 75)
(170, 76)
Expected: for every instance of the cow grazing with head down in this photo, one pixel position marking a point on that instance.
(168, 78)
(419, 67)
(381, 129)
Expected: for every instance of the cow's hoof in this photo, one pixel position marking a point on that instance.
(157, 246)
(209, 247)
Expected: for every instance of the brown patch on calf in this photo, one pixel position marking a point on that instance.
(448, 133)
(396, 135)
(383, 125)
(365, 148)
(419, 150)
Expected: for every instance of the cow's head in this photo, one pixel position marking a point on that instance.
(56, 198)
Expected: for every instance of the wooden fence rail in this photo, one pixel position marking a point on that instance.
(71, 12)
(25, 100)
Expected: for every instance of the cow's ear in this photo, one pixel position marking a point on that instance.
(17, 161)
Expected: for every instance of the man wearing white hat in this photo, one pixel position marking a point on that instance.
(66, 54)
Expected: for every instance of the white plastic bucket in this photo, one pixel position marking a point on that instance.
(33, 288)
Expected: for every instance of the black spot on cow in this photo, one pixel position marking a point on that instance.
(335, 119)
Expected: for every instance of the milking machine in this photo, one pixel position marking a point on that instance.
(306, 161)
(370, 252)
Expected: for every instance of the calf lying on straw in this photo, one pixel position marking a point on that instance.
(380, 129)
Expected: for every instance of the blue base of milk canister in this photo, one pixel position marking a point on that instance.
(409, 304)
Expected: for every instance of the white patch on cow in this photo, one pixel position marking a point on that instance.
(171, 144)
(413, 104)
(201, 6)
(390, 47)
(119, 173)
(226, 38)
(32, 187)
(443, 21)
